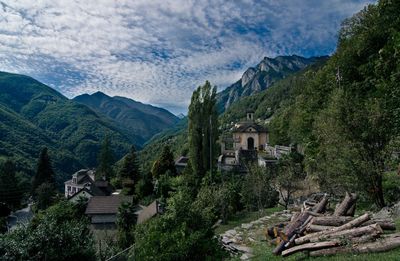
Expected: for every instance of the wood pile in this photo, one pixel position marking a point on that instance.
(322, 234)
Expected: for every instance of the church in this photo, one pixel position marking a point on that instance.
(247, 138)
(248, 135)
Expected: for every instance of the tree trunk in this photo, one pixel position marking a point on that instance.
(379, 199)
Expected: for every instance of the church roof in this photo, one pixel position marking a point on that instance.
(243, 127)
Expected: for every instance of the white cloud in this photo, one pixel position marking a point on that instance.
(159, 51)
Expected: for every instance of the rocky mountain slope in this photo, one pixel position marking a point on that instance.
(261, 77)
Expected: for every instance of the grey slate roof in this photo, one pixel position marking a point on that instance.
(245, 125)
(99, 205)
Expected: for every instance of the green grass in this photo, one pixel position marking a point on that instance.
(245, 217)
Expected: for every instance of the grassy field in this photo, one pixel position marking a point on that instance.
(263, 250)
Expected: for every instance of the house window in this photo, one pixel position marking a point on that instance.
(74, 180)
(69, 188)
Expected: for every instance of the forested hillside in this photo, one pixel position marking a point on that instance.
(346, 114)
(142, 120)
(34, 116)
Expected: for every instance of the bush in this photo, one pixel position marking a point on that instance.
(391, 187)
(257, 190)
(59, 233)
(183, 232)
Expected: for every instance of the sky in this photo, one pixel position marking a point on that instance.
(159, 51)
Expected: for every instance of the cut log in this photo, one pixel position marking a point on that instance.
(331, 220)
(374, 229)
(381, 245)
(321, 206)
(386, 224)
(290, 230)
(294, 216)
(352, 210)
(311, 228)
(310, 246)
(356, 222)
(346, 204)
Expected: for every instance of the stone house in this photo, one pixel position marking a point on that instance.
(84, 180)
(103, 210)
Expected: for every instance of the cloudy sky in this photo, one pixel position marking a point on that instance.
(159, 51)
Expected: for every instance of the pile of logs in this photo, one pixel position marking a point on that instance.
(322, 234)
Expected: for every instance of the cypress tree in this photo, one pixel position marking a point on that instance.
(164, 163)
(44, 171)
(129, 173)
(106, 160)
(203, 129)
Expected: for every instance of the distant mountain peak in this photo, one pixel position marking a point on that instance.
(262, 76)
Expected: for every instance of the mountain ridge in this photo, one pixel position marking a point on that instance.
(146, 120)
(262, 76)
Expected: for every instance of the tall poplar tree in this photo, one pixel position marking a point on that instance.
(203, 129)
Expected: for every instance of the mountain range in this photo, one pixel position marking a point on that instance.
(261, 77)
(142, 119)
(33, 115)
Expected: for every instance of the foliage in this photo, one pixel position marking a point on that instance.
(175, 138)
(105, 160)
(144, 186)
(12, 185)
(220, 200)
(203, 129)
(164, 163)
(290, 173)
(183, 232)
(44, 171)
(345, 115)
(59, 233)
(139, 121)
(126, 221)
(45, 195)
(257, 190)
(33, 116)
(129, 172)
(391, 186)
